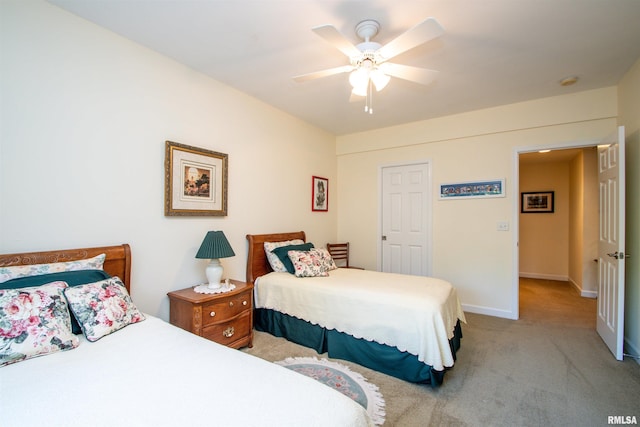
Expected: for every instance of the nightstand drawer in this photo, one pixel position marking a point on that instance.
(228, 332)
(226, 308)
(226, 318)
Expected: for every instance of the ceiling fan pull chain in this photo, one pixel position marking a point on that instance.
(368, 107)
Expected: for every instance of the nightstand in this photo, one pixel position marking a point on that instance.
(225, 318)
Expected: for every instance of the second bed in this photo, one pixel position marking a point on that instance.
(404, 326)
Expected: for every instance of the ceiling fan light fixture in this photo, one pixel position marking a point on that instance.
(359, 78)
(379, 79)
(360, 91)
(368, 67)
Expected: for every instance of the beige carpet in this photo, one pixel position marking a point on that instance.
(549, 368)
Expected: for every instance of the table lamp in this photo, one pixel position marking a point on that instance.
(214, 246)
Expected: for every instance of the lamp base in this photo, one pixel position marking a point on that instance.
(206, 289)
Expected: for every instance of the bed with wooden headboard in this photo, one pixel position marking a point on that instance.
(148, 373)
(117, 261)
(404, 326)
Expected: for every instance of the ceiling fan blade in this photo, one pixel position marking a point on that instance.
(324, 73)
(421, 33)
(406, 72)
(335, 37)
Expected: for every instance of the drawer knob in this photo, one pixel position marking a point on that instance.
(244, 302)
(230, 303)
(213, 313)
(228, 333)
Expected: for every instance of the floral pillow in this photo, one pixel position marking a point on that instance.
(102, 307)
(34, 322)
(8, 273)
(307, 264)
(274, 261)
(325, 258)
(282, 254)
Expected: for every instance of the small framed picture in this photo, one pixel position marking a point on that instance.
(319, 194)
(537, 202)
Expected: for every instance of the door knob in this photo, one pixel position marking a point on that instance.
(617, 255)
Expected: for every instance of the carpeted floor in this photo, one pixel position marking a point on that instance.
(546, 369)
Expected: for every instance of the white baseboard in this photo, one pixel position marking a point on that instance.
(582, 292)
(545, 276)
(489, 311)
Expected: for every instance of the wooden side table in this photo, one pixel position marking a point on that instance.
(225, 318)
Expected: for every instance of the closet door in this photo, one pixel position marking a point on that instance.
(406, 219)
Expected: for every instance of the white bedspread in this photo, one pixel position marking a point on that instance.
(413, 313)
(154, 374)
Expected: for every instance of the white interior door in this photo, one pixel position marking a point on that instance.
(611, 247)
(406, 219)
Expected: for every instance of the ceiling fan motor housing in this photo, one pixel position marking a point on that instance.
(367, 29)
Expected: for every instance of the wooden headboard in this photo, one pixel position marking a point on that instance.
(117, 262)
(257, 263)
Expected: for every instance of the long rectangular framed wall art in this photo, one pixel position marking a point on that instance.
(472, 190)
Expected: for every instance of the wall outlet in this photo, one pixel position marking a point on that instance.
(503, 226)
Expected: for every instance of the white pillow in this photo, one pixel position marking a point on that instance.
(274, 261)
(14, 272)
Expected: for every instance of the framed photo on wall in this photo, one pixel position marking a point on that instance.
(472, 189)
(537, 202)
(319, 194)
(195, 181)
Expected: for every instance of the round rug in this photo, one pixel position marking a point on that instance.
(341, 378)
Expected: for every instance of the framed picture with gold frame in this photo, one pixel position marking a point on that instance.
(195, 182)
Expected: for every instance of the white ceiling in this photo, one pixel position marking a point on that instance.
(493, 52)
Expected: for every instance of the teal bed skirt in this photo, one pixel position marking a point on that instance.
(338, 345)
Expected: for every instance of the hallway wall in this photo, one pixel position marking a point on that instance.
(544, 237)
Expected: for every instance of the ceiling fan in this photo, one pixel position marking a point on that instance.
(368, 60)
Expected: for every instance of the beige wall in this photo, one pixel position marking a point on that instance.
(85, 115)
(467, 249)
(629, 107)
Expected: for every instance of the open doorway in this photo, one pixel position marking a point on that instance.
(558, 235)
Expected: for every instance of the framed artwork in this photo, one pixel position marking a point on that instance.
(319, 194)
(537, 202)
(473, 189)
(195, 181)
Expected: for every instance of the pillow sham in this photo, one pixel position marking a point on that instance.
(34, 322)
(325, 258)
(307, 264)
(274, 261)
(102, 307)
(71, 278)
(14, 272)
(281, 253)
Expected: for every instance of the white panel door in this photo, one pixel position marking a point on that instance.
(611, 247)
(406, 217)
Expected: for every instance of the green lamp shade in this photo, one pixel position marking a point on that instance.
(215, 245)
